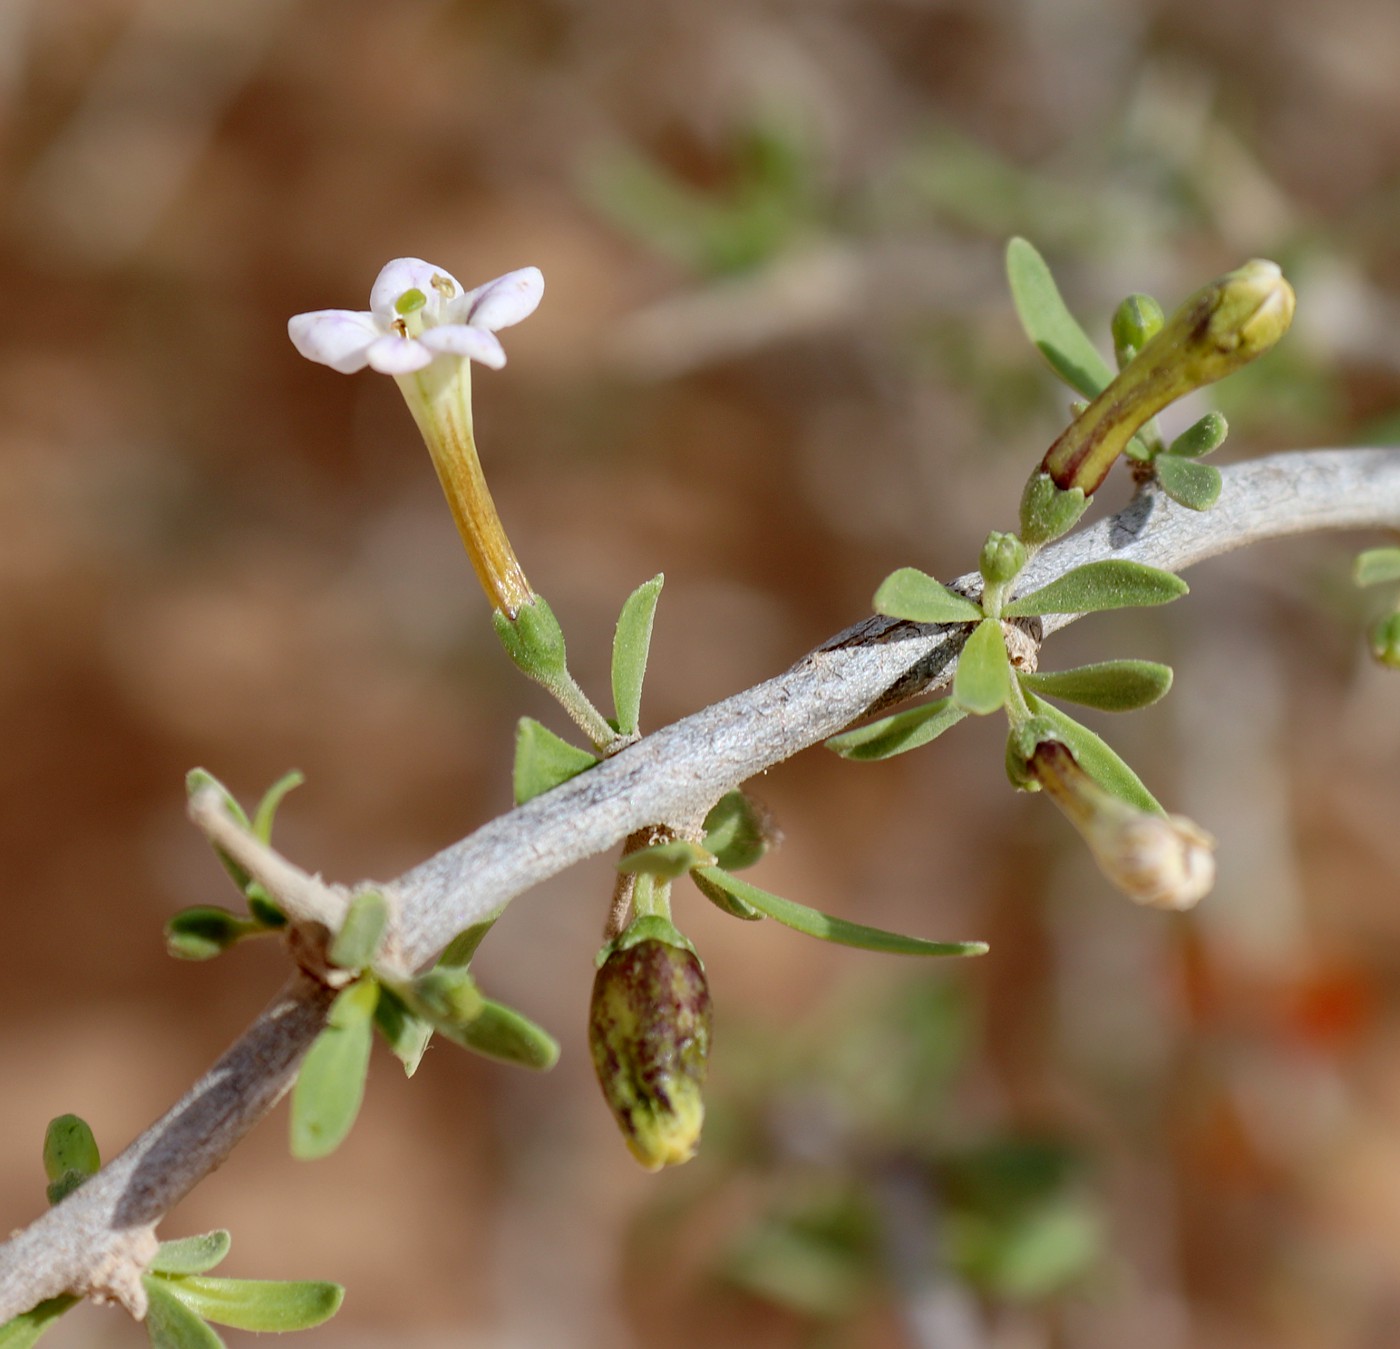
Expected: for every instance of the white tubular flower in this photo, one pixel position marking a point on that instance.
(418, 312)
(425, 330)
(1165, 861)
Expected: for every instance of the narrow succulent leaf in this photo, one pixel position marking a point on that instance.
(631, 645)
(1189, 483)
(1200, 438)
(666, 861)
(406, 1035)
(543, 760)
(898, 734)
(171, 1324)
(462, 948)
(725, 900)
(1376, 566)
(502, 1033)
(24, 1330)
(204, 931)
(914, 595)
(826, 928)
(258, 1304)
(736, 832)
(1050, 325)
(331, 1083)
(272, 799)
(982, 683)
(1110, 685)
(191, 1255)
(366, 918)
(197, 780)
(1096, 757)
(69, 1145)
(1112, 584)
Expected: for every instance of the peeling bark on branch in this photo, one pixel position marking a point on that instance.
(676, 773)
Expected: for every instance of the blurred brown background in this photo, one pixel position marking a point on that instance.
(775, 359)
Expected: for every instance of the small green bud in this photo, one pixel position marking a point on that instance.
(1135, 323)
(1385, 641)
(1003, 556)
(649, 1032)
(534, 640)
(1222, 327)
(1047, 511)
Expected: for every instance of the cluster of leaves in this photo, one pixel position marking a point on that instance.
(405, 1011)
(986, 680)
(181, 1299)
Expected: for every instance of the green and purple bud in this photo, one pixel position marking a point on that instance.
(649, 1032)
(1222, 327)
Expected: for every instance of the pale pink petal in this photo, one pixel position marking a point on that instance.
(502, 302)
(395, 355)
(458, 339)
(404, 274)
(339, 338)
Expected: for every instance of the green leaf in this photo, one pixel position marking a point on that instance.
(263, 907)
(170, 1324)
(25, 1329)
(406, 1035)
(827, 928)
(982, 683)
(1376, 565)
(1193, 485)
(1110, 685)
(331, 1083)
(204, 931)
(666, 860)
(191, 1255)
(70, 1146)
(361, 932)
(736, 832)
(502, 1033)
(462, 947)
(1112, 584)
(272, 799)
(914, 595)
(723, 899)
(543, 760)
(196, 781)
(1200, 437)
(257, 1304)
(1096, 758)
(631, 644)
(1050, 325)
(904, 731)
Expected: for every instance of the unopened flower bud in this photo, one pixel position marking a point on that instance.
(1135, 323)
(1003, 556)
(1165, 861)
(649, 1033)
(1385, 641)
(1225, 325)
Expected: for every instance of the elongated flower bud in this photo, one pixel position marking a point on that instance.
(1165, 861)
(649, 1033)
(1225, 325)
